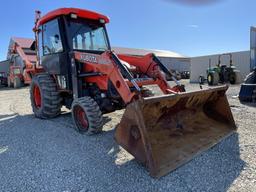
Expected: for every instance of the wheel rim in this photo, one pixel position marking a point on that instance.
(37, 96)
(209, 78)
(80, 118)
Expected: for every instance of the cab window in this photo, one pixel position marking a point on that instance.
(52, 42)
(88, 36)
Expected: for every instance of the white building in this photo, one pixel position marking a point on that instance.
(170, 59)
(4, 66)
(200, 64)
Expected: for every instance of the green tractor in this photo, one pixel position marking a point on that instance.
(223, 73)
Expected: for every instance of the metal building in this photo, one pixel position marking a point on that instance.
(171, 60)
(200, 64)
(4, 66)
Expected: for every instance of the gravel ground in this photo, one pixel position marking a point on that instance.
(48, 155)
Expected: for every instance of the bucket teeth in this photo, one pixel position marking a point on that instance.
(167, 131)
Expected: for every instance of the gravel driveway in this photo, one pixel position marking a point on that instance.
(49, 155)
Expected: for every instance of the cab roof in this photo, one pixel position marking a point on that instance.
(81, 13)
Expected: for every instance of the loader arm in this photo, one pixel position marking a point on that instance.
(108, 67)
(29, 68)
(18, 50)
(153, 67)
(124, 70)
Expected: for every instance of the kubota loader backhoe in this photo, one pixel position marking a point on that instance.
(83, 74)
(22, 59)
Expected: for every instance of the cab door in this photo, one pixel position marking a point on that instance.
(53, 57)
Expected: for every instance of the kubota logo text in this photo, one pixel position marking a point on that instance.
(89, 58)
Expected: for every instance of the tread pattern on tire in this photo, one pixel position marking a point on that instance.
(16, 83)
(93, 114)
(237, 77)
(214, 78)
(51, 100)
(9, 84)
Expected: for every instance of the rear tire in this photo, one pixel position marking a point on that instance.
(16, 83)
(213, 78)
(9, 84)
(87, 116)
(44, 96)
(235, 77)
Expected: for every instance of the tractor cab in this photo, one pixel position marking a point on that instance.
(68, 33)
(66, 30)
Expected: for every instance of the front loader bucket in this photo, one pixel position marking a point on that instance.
(165, 132)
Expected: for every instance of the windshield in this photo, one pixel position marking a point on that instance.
(88, 37)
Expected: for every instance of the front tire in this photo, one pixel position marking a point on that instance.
(87, 116)
(213, 78)
(44, 96)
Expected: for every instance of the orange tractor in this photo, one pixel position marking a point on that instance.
(83, 74)
(22, 61)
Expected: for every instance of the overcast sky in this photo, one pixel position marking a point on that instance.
(191, 30)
